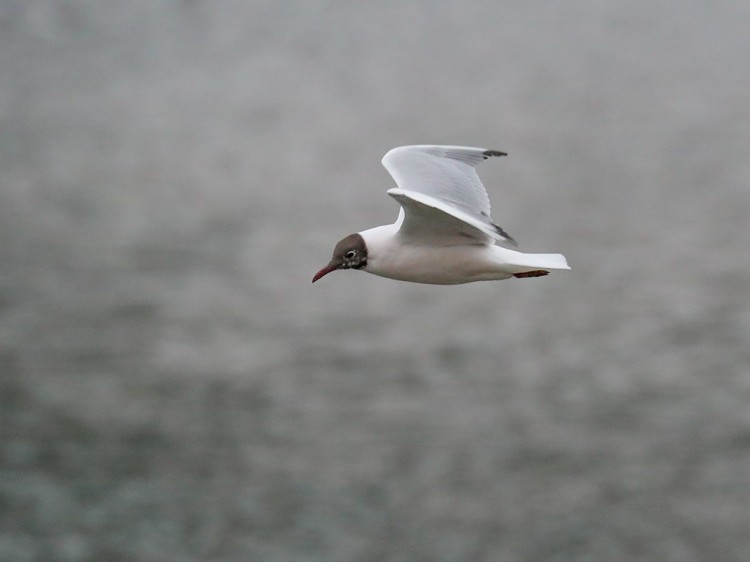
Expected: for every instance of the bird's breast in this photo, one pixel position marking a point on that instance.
(448, 265)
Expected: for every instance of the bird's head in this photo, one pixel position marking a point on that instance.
(349, 253)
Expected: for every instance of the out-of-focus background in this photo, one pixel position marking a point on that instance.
(172, 174)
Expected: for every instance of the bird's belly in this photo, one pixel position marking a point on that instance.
(450, 265)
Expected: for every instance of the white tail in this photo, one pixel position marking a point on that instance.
(540, 261)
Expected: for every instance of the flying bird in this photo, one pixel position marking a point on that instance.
(444, 234)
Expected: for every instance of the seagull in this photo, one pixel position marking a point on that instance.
(444, 234)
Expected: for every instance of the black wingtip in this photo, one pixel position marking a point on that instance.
(505, 235)
(488, 153)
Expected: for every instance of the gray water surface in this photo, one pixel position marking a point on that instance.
(173, 387)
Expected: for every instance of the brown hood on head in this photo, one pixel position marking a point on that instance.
(349, 253)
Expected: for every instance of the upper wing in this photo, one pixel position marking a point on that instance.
(441, 180)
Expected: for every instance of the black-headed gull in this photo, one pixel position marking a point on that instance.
(444, 234)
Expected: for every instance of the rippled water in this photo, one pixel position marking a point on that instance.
(173, 386)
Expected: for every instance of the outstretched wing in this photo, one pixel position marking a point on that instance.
(435, 181)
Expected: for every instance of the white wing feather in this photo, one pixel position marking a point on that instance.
(443, 179)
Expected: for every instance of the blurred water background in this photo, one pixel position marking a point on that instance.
(172, 387)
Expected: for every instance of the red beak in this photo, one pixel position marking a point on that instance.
(325, 271)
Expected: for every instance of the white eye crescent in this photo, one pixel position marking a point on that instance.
(350, 254)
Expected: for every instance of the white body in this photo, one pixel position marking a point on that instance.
(448, 265)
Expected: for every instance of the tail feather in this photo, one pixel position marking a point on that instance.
(528, 262)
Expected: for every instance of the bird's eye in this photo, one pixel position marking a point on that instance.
(350, 254)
